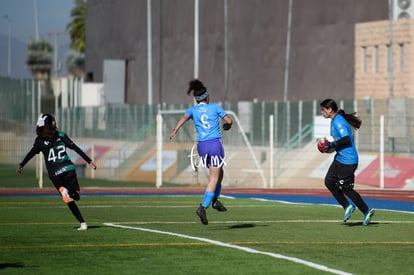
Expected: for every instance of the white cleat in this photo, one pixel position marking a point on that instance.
(83, 227)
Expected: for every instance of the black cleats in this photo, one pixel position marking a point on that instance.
(201, 212)
(218, 206)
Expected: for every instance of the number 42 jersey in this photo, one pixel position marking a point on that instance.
(56, 157)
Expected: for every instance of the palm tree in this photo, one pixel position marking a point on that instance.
(39, 61)
(39, 58)
(77, 27)
(75, 61)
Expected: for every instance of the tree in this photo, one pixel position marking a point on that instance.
(39, 58)
(75, 63)
(77, 27)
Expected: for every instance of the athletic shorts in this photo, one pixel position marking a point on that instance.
(342, 174)
(69, 181)
(211, 153)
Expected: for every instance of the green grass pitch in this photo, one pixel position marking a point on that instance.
(162, 235)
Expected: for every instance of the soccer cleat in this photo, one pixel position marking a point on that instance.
(83, 226)
(348, 211)
(201, 212)
(65, 194)
(218, 206)
(368, 216)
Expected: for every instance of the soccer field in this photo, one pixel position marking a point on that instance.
(160, 234)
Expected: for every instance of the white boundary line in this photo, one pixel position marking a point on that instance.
(236, 222)
(326, 204)
(242, 248)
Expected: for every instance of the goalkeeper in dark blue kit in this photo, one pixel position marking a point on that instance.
(340, 177)
(53, 144)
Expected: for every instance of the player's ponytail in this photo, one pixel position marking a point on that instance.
(352, 119)
(200, 92)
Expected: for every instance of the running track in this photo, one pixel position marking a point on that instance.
(398, 200)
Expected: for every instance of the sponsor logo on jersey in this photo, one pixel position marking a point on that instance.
(61, 171)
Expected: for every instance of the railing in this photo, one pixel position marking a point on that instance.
(295, 142)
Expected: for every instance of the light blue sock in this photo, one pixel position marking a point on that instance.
(208, 197)
(218, 191)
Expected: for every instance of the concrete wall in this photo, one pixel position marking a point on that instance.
(321, 56)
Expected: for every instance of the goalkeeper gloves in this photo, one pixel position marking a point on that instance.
(226, 126)
(329, 144)
(325, 146)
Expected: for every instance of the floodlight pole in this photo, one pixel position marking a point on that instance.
(287, 61)
(226, 56)
(196, 37)
(8, 46)
(149, 50)
(287, 56)
(36, 20)
(55, 51)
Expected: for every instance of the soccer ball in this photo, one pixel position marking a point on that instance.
(322, 146)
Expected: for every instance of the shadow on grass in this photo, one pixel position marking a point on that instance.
(89, 227)
(350, 224)
(237, 226)
(11, 265)
(242, 226)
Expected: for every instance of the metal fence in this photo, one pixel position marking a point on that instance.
(131, 128)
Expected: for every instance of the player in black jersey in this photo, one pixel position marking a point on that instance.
(53, 144)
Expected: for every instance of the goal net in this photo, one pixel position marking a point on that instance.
(178, 160)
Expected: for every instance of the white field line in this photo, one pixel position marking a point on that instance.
(264, 221)
(242, 248)
(214, 222)
(326, 204)
(190, 206)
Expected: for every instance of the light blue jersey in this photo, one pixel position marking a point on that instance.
(206, 119)
(340, 128)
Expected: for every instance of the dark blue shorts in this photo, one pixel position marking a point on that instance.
(341, 174)
(211, 153)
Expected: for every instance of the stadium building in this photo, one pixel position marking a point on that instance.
(246, 50)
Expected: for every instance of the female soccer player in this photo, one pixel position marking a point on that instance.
(206, 117)
(53, 143)
(340, 177)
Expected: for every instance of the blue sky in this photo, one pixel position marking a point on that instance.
(52, 16)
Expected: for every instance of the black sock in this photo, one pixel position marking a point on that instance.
(75, 211)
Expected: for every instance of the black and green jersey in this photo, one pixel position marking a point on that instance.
(56, 158)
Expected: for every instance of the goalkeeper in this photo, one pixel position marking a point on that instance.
(340, 177)
(206, 117)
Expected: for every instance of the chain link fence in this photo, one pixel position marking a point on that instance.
(123, 137)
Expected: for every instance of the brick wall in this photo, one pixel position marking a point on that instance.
(372, 77)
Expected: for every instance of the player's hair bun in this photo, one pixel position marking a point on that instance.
(196, 85)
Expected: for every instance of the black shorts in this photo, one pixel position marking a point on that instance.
(69, 181)
(342, 174)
